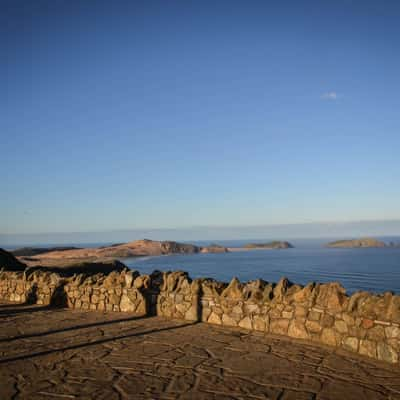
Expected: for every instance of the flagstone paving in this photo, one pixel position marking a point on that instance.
(67, 354)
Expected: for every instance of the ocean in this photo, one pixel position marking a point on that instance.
(372, 269)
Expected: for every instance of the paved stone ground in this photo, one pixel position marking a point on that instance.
(64, 354)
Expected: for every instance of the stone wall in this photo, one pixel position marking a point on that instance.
(178, 296)
(39, 288)
(117, 291)
(364, 323)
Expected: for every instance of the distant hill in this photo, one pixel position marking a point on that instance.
(355, 243)
(33, 251)
(270, 245)
(136, 248)
(9, 262)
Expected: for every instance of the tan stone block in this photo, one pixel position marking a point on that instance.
(129, 279)
(114, 299)
(330, 337)
(351, 343)
(314, 315)
(327, 320)
(341, 326)
(392, 332)
(182, 308)
(359, 332)
(259, 323)
(332, 296)
(387, 353)
(279, 326)
(267, 323)
(367, 348)
(214, 319)
(192, 313)
(95, 299)
(233, 290)
(218, 310)
(85, 298)
(300, 311)
(252, 308)
(126, 304)
(297, 330)
(395, 343)
(205, 313)
(376, 333)
(228, 321)
(287, 314)
(304, 294)
(275, 313)
(246, 323)
(178, 298)
(348, 319)
(313, 326)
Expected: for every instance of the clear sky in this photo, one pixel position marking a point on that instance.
(166, 114)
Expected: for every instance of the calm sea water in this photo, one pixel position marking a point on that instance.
(375, 270)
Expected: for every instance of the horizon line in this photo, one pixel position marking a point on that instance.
(202, 227)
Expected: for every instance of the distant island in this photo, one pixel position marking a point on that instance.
(356, 243)
(214, 248)
(276, 244)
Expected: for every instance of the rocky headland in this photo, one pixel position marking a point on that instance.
(33, 251)
(137, 248)
(356, 243)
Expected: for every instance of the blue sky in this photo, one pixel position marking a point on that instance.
(138, 115)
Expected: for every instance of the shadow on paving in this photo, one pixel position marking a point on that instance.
(24, 308)
(12, 305)
(93, 343)
(72, 328)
